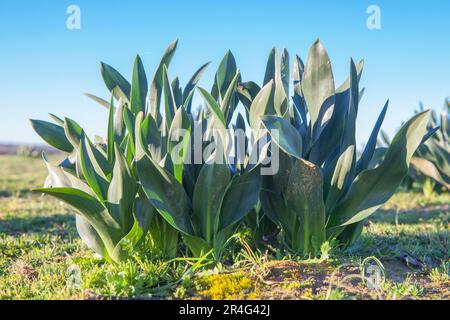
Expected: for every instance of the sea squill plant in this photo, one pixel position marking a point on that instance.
(323, 190)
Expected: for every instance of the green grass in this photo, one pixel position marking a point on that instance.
(41, 256)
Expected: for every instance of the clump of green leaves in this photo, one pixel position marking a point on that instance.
(323, 190)
(141, 179)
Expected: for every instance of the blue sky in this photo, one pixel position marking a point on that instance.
(45, 67)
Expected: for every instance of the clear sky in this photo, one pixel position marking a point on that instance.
(45, 67)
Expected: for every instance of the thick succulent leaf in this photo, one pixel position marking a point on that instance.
(340, 176)
(177, 92)
(143, 214)
(157, 82)
(165, 193)
(226, 104)
(366, 157)
(198, 246)
(178, 144)
(372, 188)
(331, 135)
(129, 120)
(271, 67)
(217, 122)
(224, 75)
(281, 102)
(304, 197)
(346, 84)
(152, 137)
(121, 192)
(139, 87)
(110, 139)
(273, 203)
(284, 135)
(142, 217)
(329, 140)
(428, 169)
(297, 75)
(170, 106)
(57, 119)
(99, 100)
(90, 236)
(209, 191)
(212, 105)
(247, 92)
(242, 195)
(92, 171)
(377, 157)
(73, 132)
(318, 82)
(262, 105)
(190, 86)
(92, 210)
(59, 178)
(113, 79)
(284, 70)
(119, 125)
(52, 134)
(349, 136)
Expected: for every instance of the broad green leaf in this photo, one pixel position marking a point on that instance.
(346, 84)
(305, 197)
(157, 82)
(52, 134)
(110, 141)
(58, 120)
(92, 172)
(369, 150)
(139, 87)
(141, 219)
(119, 125)
(242, 195)
(284, 71)
(429, 169)
(198, 246)
(297, 75)
(191, 85)
(143, 213)
(169, 101)
(90, 236)
(165, 193)
(372, 188)
(281, 103)
(129, 120)
(318, 82)
(99, 100)
(340, 177)
(92, 210)
(247, 92)
(177, 93)
(224, 76)
(262, 105)
(284, 135)
(179, 135)
(114, 79)
(73, 132)
(212, 105)
(228, 96)
(121, 192)
(209, 191)
(152, 137)
(271, 67)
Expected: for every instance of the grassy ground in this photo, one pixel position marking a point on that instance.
(41, 256)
